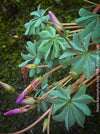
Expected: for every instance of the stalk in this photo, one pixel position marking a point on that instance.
(92, 3)
(48, 125)
(53, 70)
(72, 47)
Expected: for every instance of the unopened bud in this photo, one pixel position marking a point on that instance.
(74, 74)
(30, 101)
(20, 110)
(35, 84)
(58, 25)
(24, 70)
(45, 125)
(7, 87)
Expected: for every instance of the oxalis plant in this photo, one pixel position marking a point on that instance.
(55, 47)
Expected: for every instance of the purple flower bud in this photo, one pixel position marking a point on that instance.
(24, 70)
(35, 84)
(20, 110)
(58, 25)
(7, 87)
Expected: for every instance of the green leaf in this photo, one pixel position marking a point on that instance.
(80, 92)
(61, 116)
(83, 107)
(31, 72)
(78, 66)
(58, 94)
(24, 63)
(96, 34)
(45, 34)
(27, 56)
(83, 12)
(56, 107)
(69, 118)
(35, 25)
(69, 52)
(79, 116)
(92, 23)
(31, 48)
(84, 99)
(35, 13)
(89, 27)
(64, 92)
(77, 41)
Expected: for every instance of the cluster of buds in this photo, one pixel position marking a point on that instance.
(29, 102)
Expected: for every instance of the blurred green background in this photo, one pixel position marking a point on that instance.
(13, 15)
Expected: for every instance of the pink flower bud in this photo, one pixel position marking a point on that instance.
(35, 84)
(58, 25)
(24, 70)
(20, 110)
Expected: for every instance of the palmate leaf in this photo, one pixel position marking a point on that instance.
(51, 44)
(35, 25)
(33, 57)
(85, 63)
(72, 110)
(91, 22)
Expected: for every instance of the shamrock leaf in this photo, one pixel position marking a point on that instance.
(71, 110)
(91, 22)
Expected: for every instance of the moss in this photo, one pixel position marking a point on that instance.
(12, 23)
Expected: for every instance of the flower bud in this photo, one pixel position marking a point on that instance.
(30, 101)
(24, 70)
(58, 25)
(7, 87)
(35, 84)
(45, 125)
(20, 110)
(74, 74)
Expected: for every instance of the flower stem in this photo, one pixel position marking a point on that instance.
(53, 70)
(92, 2)
(48, 130)
(42, 66)
(91, 82)
(72, 47)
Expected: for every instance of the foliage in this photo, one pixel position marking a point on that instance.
(86, 62)
(54, 52)
(71, 109)
(35, 25)
(92, 23)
